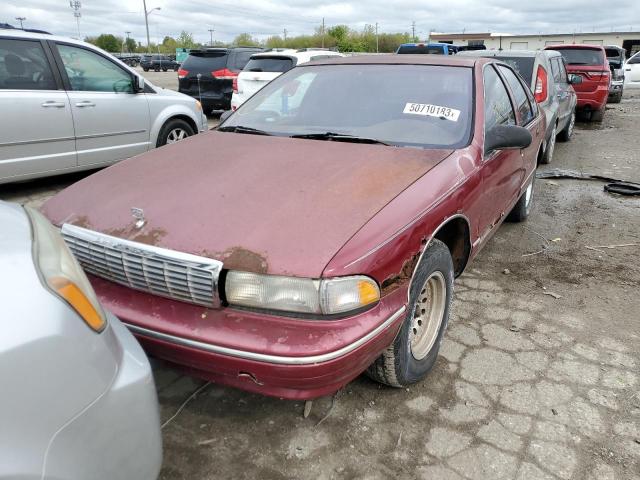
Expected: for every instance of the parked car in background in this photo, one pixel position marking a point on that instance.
(75, 107)
(295, 291)
(546, 74)
(427, 48)
(78, 397)
(589, 62)
(131, 59)
(208, 74)
(158, 62)
(632, 71)
(264, 67)
(616, 56)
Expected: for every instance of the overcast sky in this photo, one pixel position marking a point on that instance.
(264, 18)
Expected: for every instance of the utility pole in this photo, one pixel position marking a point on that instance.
(322, 32)
(75, 4)
(377, 44)
(211, 30)
(413, 30)
(146, 21)
(285, 35)
(127, 41)
(21, 19)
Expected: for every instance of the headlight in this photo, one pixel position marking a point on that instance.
(61, 273)
(300, 295)
(198, 106)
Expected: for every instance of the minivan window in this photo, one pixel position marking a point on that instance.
(519, 95)
(522, 65)
(240, 59)
(425, 106)
(24, 66)
(205, 62)
(269, 64)
(582, 56)
(90, 72)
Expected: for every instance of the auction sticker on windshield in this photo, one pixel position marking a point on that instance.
(428, 110)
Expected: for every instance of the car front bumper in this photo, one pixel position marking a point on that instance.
(118, 435)
(276, 356)
(616, 87)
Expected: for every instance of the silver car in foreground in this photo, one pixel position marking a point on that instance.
(66, 106)
(78, 399)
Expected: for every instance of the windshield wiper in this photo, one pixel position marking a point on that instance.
(241, 129)
(340, 137)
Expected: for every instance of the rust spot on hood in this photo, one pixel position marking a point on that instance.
(81, 221)
(148, 236)
(238, 258)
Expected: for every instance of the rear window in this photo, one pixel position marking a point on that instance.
(205, 62)
(240, 59)
(612, 52)
(522, 65)
(582, 56)
(269, 64)
(420, 49)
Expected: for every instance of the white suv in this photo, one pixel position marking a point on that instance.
(264, 67)
(67, 106)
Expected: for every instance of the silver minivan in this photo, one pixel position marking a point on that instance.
(546, 74)
(66, 105)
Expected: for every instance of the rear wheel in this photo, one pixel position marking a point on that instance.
(173, 131)
(522, 208)
(415, 349)
(164, 69)
(145, 69)
(565, 134)
(551, 146)
(597, 115)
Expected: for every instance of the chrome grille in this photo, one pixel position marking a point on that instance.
(163, 272)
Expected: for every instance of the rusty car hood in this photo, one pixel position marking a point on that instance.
(258, 203)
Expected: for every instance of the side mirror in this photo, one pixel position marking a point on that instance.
(575, 79)
(226, 114)
(507, 137)
(138, 83)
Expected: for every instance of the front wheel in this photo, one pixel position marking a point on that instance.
(415, 349)
(617, 98)
(173, 131)
(145, 69)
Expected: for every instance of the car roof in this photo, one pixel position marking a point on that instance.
(393, 59)
(503, 53)
(585, 46)
(426, 44)
(300, 56)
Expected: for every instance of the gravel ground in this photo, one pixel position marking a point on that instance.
(538, 376)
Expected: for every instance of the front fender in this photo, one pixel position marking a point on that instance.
(172, 111)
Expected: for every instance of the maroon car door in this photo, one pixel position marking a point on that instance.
(502, 170)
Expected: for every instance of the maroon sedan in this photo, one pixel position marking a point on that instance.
(317, 233)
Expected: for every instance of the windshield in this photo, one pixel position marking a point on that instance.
(420, 49)
(405, 105)
(582, 56)
(269, 64)
(522, 65)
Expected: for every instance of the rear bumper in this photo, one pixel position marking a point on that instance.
(595, 100)
(211, 100)
(118, 435)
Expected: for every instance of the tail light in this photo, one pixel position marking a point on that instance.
(235, 84)
(224, 74)
(182, 73)
(541, 85)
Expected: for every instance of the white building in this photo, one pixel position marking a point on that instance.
(494, 41)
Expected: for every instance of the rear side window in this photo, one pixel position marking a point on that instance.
(24, 66)
(556, 70)
(522, 65)
(582, 56)
(519, 95)
(497, 105)
(205, 62)
(269, 64)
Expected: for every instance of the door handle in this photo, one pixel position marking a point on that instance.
(53, 104)
(86, 103)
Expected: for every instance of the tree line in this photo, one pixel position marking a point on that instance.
(340, 37)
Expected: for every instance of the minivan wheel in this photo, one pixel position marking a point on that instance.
(164, 69)
(522, 208)
(173, 131)
(551, 146)
(145, 69)
(415, 349)
(565, 134)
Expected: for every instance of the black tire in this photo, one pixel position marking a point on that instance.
(156, 69)
(617, 98)
(567, 131)
(522, 208)
(165, 69)
(145, 69)
(597, 115)
(170, 126)
(175, 69)
(397, 366)
(547, 156)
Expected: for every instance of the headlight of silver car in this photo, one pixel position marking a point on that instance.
(300, 295)
(61, 273)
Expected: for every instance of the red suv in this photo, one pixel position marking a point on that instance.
(589, 62)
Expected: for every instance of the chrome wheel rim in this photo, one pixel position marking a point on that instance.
(176, 135)
(528, 194)
(428, 315)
